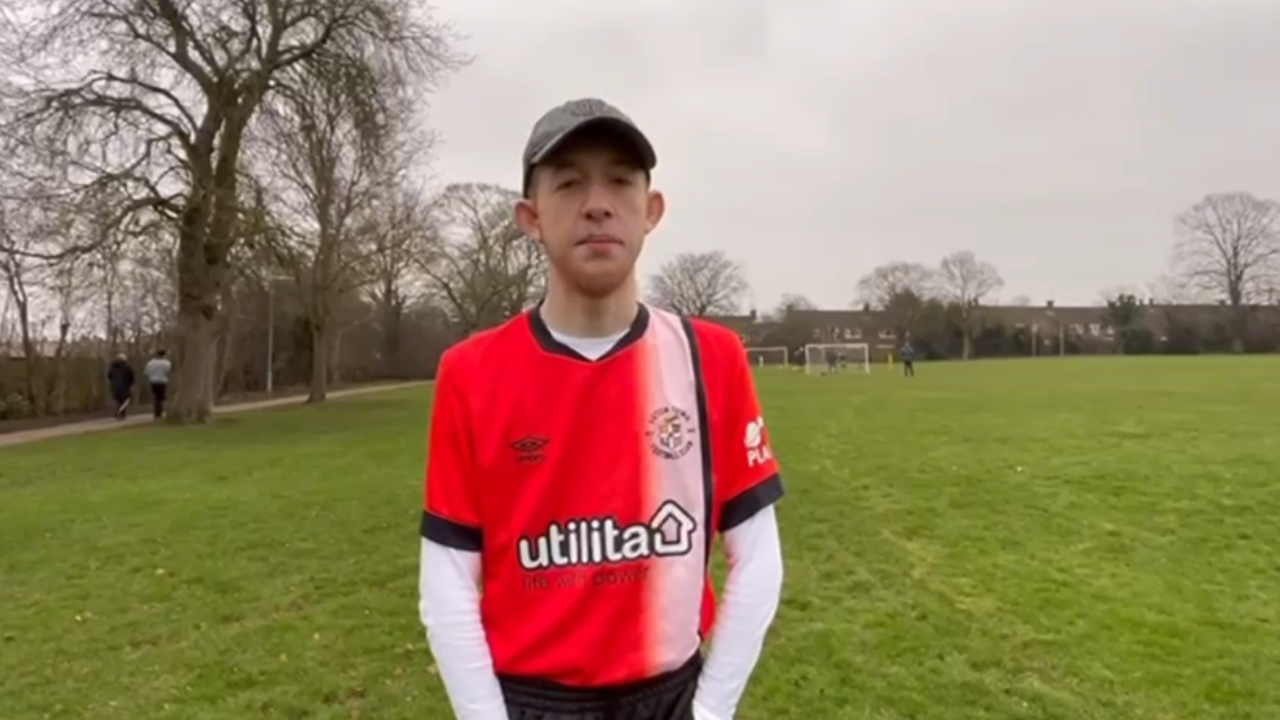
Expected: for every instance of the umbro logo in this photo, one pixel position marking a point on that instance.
(529, 448)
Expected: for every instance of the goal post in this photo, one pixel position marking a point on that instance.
(823, 358)
(777, 356)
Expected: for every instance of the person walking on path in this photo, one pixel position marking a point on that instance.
(120, 379)
(157, 371)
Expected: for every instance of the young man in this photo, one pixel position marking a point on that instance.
(157, 371)
(120, 380)
(582, 457)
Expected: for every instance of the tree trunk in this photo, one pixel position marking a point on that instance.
(225, 341)
(1239, 327)
(19, 295)
(391, 348)
(195, 358)
(335, 358)
(111, 320)
(319, 363)
(391, 321)
(33, 363)
(205, 238)
(968, 345)
(58, 379)
(200, 276)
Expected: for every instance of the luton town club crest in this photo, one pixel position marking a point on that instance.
(671, 432)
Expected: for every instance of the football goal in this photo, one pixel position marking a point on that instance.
(768, 356)
(821, 359)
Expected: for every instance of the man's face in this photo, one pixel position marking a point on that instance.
(591, 207)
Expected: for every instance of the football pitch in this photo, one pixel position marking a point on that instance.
(1061, 539)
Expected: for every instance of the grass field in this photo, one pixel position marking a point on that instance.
(1091, 538)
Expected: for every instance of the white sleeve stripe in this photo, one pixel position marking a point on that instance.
(750, 601)
(449, 606)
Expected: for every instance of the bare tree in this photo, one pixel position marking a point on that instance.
(882, 285)
(23, 222)
(156, 99)
(790, 303)
(699, 285)
(17, 273)
(332, 146)
(150, 286)
(900, 290)
(1170, 290)
(1229, 245)
(792, 328)
(486, 270)
(404, 242)
(965, 281)
(71, 292)
(95, 279)
(107, 264)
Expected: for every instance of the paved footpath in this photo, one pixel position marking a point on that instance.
(144, 414)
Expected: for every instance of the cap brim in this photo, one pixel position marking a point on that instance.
(631, 133)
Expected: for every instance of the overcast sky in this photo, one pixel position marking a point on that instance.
(815, 139)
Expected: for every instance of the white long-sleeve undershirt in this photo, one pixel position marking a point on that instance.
(449, 606)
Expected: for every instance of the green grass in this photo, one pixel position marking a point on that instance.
(1092, 538)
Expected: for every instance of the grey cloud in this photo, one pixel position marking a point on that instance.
(815, 140)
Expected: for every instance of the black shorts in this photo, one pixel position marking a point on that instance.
(666, 697)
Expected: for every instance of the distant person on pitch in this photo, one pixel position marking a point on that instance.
(908, 359)
(120, 380)
(157, 371)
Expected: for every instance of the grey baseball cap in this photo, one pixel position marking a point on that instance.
(559, 123)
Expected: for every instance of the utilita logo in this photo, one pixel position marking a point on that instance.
(758, 451)
(601, 541)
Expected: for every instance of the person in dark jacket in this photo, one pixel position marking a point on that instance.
(120, 378)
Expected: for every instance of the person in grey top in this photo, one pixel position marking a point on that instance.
(157, 371)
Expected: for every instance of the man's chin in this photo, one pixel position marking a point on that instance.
(599, 283)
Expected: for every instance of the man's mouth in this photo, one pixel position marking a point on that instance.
(599, 240)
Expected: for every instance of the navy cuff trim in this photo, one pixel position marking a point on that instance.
(747, 503)
(448, 533)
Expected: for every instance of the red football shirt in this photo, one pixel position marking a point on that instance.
(593, 489)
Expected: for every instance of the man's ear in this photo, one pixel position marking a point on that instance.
(527, 219)
(655, 209)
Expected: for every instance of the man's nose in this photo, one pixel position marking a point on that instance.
(597, 207)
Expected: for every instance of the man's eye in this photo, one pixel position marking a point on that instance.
(566, 184)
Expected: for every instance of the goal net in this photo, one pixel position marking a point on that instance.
(824, 359)
(767, 356)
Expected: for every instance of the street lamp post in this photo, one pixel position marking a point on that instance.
(271, 334)
(271, 281)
